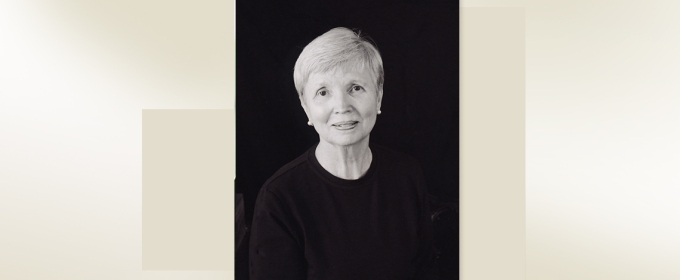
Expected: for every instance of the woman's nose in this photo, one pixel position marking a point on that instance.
(342, 104)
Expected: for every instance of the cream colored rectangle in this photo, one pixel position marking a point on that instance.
(492, 135)
(187, 180)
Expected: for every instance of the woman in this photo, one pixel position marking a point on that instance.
(345, 209)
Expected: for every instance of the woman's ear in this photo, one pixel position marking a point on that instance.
(380, 95)
(304, 104)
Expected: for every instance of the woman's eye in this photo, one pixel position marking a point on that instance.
(322, 92)
(357, 88)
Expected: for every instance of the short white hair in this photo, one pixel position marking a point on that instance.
(339, 48)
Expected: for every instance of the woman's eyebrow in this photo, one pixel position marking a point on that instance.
(319, 84)
(319, 87)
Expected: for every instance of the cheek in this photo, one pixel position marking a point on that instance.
(369, 110)
(319, 113)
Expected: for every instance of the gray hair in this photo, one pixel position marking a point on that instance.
(338, 48)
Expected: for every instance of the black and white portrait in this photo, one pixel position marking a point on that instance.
(347, 140)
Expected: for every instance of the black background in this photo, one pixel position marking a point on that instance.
(418, 42)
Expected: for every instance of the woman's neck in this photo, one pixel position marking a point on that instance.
(346, 162)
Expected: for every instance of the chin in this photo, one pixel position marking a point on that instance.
(346, 141)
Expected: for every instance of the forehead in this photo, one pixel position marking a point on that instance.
(341, 75)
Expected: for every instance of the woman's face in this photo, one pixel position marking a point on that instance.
(342, 105)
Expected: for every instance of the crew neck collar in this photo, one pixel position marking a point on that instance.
(337, 181)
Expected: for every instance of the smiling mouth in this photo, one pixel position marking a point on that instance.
(345, 125)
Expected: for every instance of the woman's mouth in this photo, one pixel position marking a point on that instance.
(345, 125)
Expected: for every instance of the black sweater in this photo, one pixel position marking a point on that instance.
(309, 224)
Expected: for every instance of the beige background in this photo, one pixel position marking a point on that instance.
(188, 171)
(74, 79)
(492, 226)
(601, 99)
(601, 139)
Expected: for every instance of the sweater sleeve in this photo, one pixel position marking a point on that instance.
(425, 259)
(274, 251)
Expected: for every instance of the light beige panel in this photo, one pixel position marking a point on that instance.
(492, 144)
(75, 76)
(187, 182)
(601, 138)
(181, 52)
(603, 159)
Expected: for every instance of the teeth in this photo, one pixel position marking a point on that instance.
(347, 124)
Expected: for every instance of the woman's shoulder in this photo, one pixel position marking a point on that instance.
(399, 168)
(288, 172)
